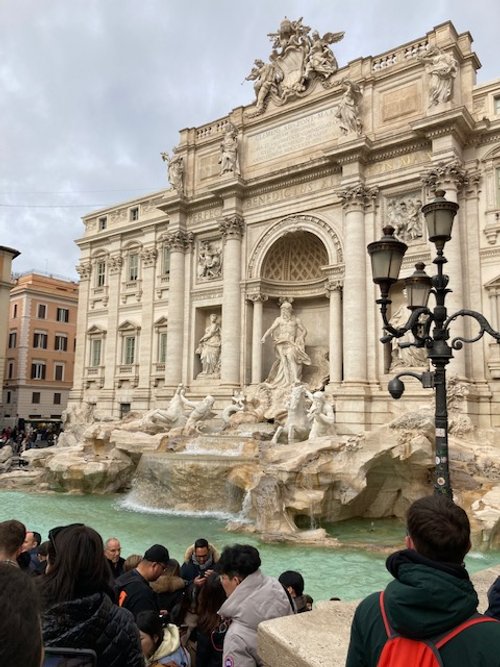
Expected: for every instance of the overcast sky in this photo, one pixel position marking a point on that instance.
(91, 91)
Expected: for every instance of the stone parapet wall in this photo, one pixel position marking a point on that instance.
(320, 638)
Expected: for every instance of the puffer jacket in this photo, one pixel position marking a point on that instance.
(426, 600)
(258, 598)
(94, 622)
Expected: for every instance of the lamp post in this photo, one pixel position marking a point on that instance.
(430, 328)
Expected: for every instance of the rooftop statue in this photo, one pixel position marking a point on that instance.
(175, 166)
(348, 108)
(228, 160)
(297, 60)
(442, 68)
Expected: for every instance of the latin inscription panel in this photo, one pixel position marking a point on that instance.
(296, 135)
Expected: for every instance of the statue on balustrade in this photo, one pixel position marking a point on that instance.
(209, 347)
(289, 335)
(442, 68)
(348, 112)
(229, 151)
(175, 166)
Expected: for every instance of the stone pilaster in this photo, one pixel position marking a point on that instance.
(354, 200)
(84, 270)
(452, 177)
(334, 294)
(149, 256)
(232, 230)
(179, 243)
(111, 349)
(258, 302)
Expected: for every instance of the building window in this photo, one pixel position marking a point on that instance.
(100, 273)
(38, 370)
(40, 340)
(124, 409)
(133, 267)
(166, 261)
(128, 350)
(95, 352)
(12, 339)
(62, 315)
(61, 343)
(14, 312)
(35, 397)
(59, 372)
(162, 348)
(496, 104)
(102, 223)
(134, 213)
(57, 398)
(41, 311)
(10, 370)
(8, 397)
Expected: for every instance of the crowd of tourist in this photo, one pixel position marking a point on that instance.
(74, 593)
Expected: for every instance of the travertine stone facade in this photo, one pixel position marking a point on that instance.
(311, 172)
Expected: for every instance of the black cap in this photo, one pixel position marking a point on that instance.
(157, 554)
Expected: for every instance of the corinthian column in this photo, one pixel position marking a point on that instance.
(232, 230)
(354, 200)
(178, 243)
(451, 177)
(333, 292)
(258, 301)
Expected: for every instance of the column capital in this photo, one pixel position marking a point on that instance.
(357, 196)
(149, 255)
(257, 297)
(179, 241)
(84, 269)
(446, 172)
(333, 286)
(115, 263)
(232, 227)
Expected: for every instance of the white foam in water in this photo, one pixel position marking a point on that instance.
(131, 505)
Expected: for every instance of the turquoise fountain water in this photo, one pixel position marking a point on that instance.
(345, 573)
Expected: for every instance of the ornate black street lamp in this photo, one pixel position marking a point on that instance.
(430, 328)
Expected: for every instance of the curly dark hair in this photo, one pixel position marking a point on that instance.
(239, 560)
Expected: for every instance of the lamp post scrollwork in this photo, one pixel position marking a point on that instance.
(430, 327)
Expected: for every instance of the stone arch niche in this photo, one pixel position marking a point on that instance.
(295, 260)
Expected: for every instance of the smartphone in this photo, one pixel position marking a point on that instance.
(69, 657)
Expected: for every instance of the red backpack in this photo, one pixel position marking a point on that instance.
(401, 651)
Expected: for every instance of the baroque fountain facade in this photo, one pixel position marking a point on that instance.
(227, 350)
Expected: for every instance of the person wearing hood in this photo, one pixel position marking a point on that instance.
(170, 587)
(160, 645)
(251, 599)
(431, 593)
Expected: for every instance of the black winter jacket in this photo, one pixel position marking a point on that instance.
(134, 593)
(96, 623)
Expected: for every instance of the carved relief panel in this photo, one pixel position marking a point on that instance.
(209, 260)
(404, 214)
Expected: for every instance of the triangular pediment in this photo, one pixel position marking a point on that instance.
(128, 326)
(161, 322)
(95, 330)
(493, 284)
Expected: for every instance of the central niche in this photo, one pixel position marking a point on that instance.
(296, 257)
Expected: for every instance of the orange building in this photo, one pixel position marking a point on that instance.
(40, 347)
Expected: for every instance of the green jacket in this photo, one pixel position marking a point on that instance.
(426, 600)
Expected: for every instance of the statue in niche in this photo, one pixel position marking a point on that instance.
(322, 416)
(201, 411)
(228, 160)
(209, 261)
(348, 108)
(289, 336)
(265, 76)
(321, 59)
(209, 349)
(405, 216)
(175, 166)
(442, 68)
(412, 357)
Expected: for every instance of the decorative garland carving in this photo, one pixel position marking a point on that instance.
(115, 263)
(149, 255)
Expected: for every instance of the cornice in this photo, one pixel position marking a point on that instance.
(457, 121)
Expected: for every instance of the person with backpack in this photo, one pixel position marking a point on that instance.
(427, 616)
